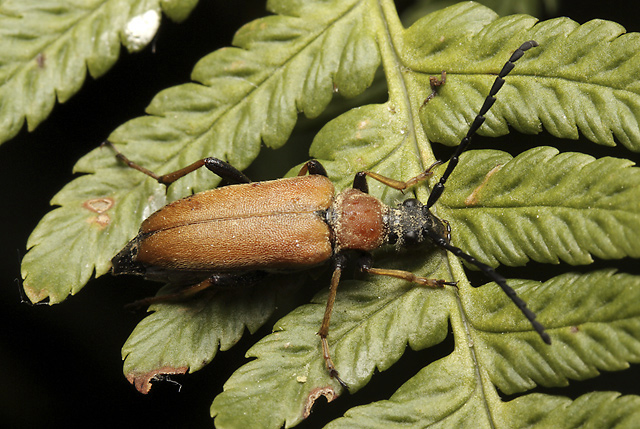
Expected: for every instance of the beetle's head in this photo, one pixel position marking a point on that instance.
(412, 223)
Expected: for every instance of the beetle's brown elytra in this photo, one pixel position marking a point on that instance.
(230, 233)
(292, 235)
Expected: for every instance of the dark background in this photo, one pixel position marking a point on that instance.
(61, 365)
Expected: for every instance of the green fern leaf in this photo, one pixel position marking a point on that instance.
(47, 46)
(440, 396)
(584, 80)
(593, 328)
(565, 183)
(371, 328)
(540, 205)
(246, 95)
(544, 206)
(171, 339)
(596, 409)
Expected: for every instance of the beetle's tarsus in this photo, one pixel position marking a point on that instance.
(334, 374)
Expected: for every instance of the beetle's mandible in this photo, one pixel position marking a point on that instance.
(233, 234)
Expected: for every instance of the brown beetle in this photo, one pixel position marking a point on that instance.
(230, 235)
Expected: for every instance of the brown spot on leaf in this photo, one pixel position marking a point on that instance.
(102, 220)
(472, 199)
(41, 59)
(142, 382)
(435, 83)
(98, 205)
(574, 329)
(327, 392)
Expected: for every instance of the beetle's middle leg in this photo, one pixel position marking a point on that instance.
(365, 260)
(340, 262)
(215, 165)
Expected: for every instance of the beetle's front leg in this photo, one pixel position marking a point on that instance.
(360, 181)
(313, 167)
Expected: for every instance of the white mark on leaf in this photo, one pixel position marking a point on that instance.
(140, 30)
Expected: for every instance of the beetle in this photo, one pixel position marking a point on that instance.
(233, 234)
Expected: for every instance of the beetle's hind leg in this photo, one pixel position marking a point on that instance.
(181, 294)
(216, 281)
(215, 165)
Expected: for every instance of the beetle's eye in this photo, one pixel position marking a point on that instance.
(411, 202)
(411, 237)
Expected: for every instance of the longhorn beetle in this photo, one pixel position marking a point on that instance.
(232, 235)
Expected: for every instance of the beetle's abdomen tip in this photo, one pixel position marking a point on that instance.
(125, 262)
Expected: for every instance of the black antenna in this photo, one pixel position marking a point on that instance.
(436, 192)
(502, 282)
(439, 188)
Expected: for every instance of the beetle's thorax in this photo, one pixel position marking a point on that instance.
(411, 223)
(357, 220)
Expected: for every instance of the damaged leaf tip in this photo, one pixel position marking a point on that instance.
(327, 391)
(142, 382)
